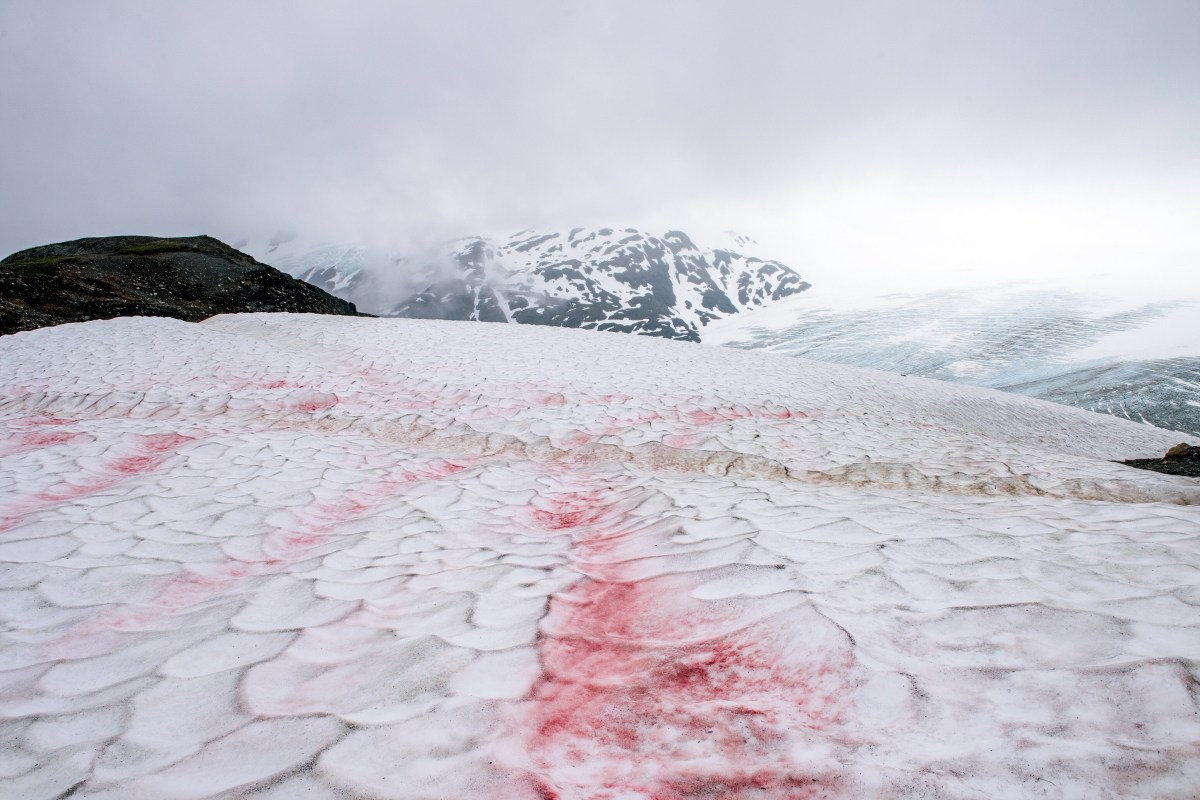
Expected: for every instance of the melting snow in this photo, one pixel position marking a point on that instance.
(284, 556)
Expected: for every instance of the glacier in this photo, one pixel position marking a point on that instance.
(1124, 350)
(289, 556)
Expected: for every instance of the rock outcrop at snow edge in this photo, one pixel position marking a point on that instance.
(1182, 459)
(189, 278)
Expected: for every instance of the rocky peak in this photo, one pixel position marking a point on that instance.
(189, 278)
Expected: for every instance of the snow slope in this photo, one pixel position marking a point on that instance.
(282, 556)
(605, 279)
(1129, 355)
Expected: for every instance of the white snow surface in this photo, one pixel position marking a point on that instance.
(290, 556)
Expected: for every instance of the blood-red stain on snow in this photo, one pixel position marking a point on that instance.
(282, 548)
(714, 416)
(34, 433)
(148, 454)
(649, 692)
(316, 524)
(48, 438)
(568, 510)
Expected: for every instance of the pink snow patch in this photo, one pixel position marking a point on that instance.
(714, 416)
(150, 452)
(34, 433)
(576, 439)
(681, 441)
(47, 438)
(649, 692)
(283, 548)
(316, 524)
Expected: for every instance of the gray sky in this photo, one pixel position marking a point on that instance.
(862, 140)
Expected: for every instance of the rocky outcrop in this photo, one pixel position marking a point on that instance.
(190, 278)
(1182, 459)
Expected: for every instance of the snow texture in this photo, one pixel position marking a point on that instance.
(286, 556)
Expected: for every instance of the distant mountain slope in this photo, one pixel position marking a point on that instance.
(189, 278)
(607, 279)
(1054, 345)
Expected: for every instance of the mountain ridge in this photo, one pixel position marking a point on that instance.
(609, 279)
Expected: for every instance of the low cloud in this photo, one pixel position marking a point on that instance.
(871, 136)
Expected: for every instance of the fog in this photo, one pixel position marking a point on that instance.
(940, 142)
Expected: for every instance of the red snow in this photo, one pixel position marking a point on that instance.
(34, 433)
(316, 525)
(714, 416)
(548, 399)
(134, 465)
(648, 692)
(308, 401)
(568, 510)
(163, 442)
(149, 452)
(681, 441)
(576, 439)
(47, 438)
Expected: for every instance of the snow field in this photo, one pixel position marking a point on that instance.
(294, 556)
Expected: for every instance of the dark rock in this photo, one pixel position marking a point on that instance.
(189, 278)
(1183, 452)
(1182, 459)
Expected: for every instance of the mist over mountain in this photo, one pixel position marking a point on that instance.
(608, 279)
(1050, 343)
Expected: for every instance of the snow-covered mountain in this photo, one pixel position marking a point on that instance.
(1124, 356)
(604, 279)
(280, 556)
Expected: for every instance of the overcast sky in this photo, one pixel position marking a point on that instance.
(950, 139)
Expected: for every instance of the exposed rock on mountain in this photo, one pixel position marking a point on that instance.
(607, 279)
(189, 278)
